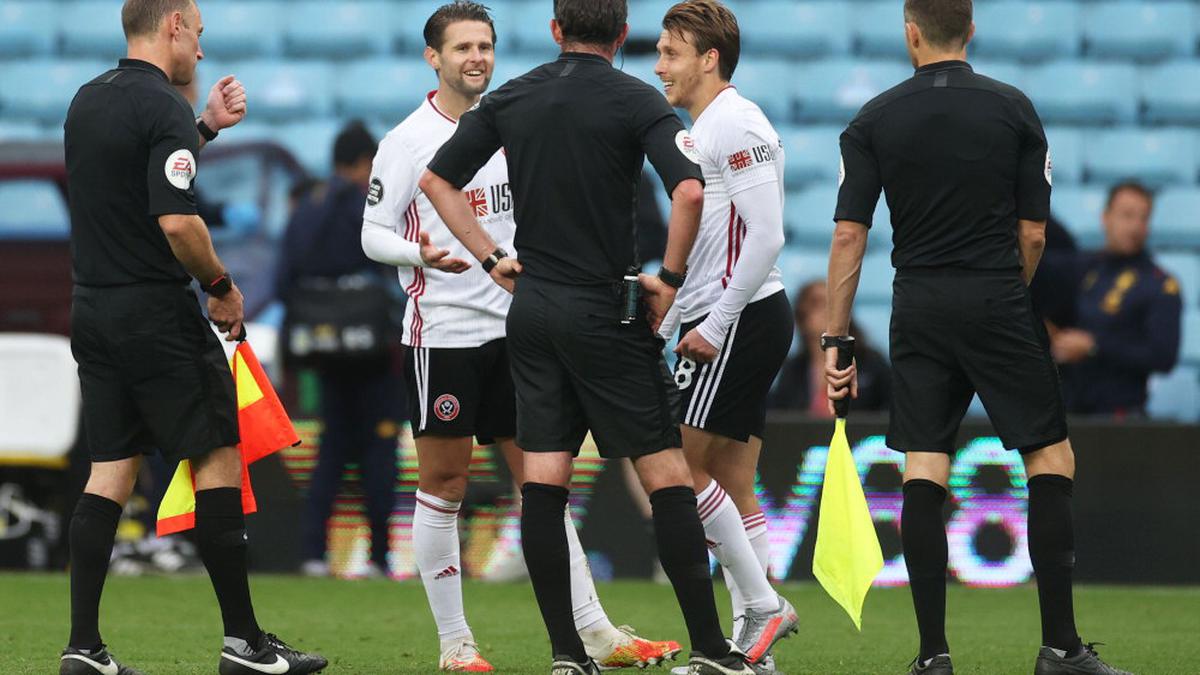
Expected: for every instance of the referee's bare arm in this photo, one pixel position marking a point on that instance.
(845, 265)
(687, 202)
(1031, 237)
(189, 240)
(460, 220)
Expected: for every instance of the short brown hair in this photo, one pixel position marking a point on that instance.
(711, 26)
(1132, 186)
(944, 23)
(591, 22)
(140, 18)
(459, 10)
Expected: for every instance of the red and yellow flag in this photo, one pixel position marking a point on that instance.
(264, 428)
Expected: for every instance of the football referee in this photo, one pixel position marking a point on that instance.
(965, 167)
(152, 373)
(575, 132)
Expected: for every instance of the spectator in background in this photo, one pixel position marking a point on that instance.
(801, 383)
(1127, 315)
(360, 401)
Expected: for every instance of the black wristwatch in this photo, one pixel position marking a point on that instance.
(492, 260)
(219, 287)
(205, 131)
(672, 279)
(831, 341)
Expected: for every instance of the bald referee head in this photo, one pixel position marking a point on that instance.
(964, 163)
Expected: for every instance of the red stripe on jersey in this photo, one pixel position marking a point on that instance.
(417, 288)
(730, 236)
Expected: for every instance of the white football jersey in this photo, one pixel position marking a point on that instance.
(444, 310)
(739, 149)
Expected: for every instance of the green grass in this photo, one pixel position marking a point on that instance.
(171, 625)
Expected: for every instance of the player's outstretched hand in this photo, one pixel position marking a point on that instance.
(439, 258)
(226, 313)
(658, 296)
(695, 347)
(506, 272)
(839, 383)
(226, 104)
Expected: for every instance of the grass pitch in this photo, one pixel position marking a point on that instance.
(172, 625)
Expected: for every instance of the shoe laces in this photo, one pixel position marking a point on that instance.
(464, 650)
(272, 640)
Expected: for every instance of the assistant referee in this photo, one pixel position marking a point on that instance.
(965, 166)
(152, 373)
(575, 132)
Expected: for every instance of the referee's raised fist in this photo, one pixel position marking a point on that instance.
(226, 103)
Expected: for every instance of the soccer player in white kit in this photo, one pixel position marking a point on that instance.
(456, 360)
(736, 322)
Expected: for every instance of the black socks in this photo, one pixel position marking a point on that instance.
(92, 530)
(544, 541)
(1052, 551)
(923, 535)
(684, 558)
(221, 541)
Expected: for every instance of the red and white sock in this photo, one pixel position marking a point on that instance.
(755, 525)
(727, 539)
(435, 545)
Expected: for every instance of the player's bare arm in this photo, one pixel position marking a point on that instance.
(687, 202)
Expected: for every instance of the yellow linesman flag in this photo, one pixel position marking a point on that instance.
(264, 428)
(847, 557)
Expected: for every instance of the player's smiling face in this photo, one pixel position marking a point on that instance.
(680, 67)
(467, 57)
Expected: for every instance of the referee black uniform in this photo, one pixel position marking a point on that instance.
(963, 161)
(576, 132)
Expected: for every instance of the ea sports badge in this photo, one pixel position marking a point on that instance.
(180, 168)
(687, 145)
(1049, 167)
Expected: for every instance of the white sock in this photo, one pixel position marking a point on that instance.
(435, 546)
(755, 525)
(730, 545)
(585, 602)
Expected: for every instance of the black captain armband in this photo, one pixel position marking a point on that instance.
(219, 287)
(206, 132)
(672, 279)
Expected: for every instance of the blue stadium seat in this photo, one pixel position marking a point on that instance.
(878, 28)
(802, 29)
(1079, 209)
(32, 208)
(835, 90)
(1027, 30)
(875, 281)
(1185, 267)
(1066, 154)
(808, 215)
(1166, 98)
(287, 89)
(1140, 30)
(874, 320)
(1083, 92)
(1175, 395)
(1153, 156)
(91, 28)
(771, 84)
(42, 89)
(337, 29)
(384, 88)
(406, 21)
(26, 28)
(800, 265)
(645, 19)
(811, 155)
(234, 29)
(530, 30)
(1189, 349)
(1008, 72)
(1176, 219)
(641, 67)
(27, 131)
(311, 141)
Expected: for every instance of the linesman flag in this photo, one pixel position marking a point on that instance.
(847, 557)
(264, 428)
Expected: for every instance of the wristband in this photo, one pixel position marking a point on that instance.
(205, 131)
(491, 261)
(832, 341)
(219, 287)
(672, 279)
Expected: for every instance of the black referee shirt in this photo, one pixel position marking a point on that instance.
(576, 132)
(131, 145)
(960, 157)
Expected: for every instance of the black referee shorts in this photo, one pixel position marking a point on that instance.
(152, 373)
(461, 392)
(955, 333)
(728, 397)
(576, 368)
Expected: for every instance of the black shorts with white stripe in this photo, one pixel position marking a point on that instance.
(728, 397)
(461, 392)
